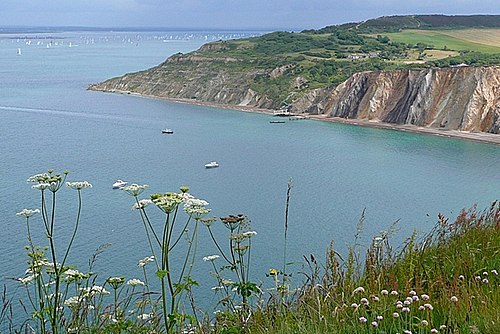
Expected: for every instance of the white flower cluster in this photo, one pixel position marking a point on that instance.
(145, 261)
(135, 282)
(94, 290)
(135, 189)
(79, 185)
(194, 207)
(27, 213)
(141, 204)
(210, 258)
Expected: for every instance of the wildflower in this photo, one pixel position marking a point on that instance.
(429, 306)
(434, 331)
(94, 290)
(141, 204)
(485, 281)
(424, 323)
(461, 277)
(399, 304)
(115, 282)
(210, 258)
(374, 324)
(494, 272)
(405, 309)
(207, 221)
(454, 299)
(167, 202)
(241, 248)
(425, 297)
(394, 293)
(144, 261)
(407, 302)
(412, 293)
(249, 234)
(477, 278)
(375, 298)
(27, 280)
(217, 288)
(442, 327)
(421, 308)
(227, 282)
(27, 213)
(363, 320)
(380, 318)
(273, 272)
(135, 282)
(196, 208)
(415, 298)
(354, 305)
(38, 178)
(73, 275)
(358, 289)
(232, 222)
(485, 273)
(41, 186)
(407, 332)
(73, 302)
(364, 301)
(395, 315)
(384, 292)
(135, 189)
(145, 316)
(79, 185)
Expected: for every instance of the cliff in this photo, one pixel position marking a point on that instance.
(460, 98)
(463, 98)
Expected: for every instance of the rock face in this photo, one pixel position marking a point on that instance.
(460, 98)
(465, 98)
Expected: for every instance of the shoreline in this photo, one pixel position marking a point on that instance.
(482, 137)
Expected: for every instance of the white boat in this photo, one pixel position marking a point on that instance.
(119, 184)
(18, 51)
(212, 164)
(167, 131)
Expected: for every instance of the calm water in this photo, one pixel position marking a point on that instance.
(49, 120)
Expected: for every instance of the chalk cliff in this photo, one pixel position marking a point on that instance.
(460, 98)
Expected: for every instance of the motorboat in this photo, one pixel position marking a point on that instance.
(167, 131)
(119, 184)
(212, 164)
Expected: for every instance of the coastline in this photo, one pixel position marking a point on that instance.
(474, 136)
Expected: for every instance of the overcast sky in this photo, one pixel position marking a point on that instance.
(265, 14)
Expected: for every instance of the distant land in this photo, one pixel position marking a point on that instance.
(425, 73)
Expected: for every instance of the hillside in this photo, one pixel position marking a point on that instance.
(299, 70)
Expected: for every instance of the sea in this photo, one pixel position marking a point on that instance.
(340, 174)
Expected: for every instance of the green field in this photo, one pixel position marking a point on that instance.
(487, 40)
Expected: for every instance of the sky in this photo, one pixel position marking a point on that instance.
(220, 14)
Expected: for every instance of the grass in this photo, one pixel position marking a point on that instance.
(446, 283)
(486, 41)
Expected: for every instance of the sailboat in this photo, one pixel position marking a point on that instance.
(18, 51)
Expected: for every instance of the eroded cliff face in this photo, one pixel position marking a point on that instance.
(462, 98)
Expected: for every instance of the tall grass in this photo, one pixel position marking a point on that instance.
(443, 282)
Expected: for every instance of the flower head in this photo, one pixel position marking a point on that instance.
(79, 185)
(358, 290)
(135, 282)
(145, 261)
(363, 320)
(196, 208)
(135, 189)
(167, 202)
(210, 258)
(141, 204)
(454, 299)
(27, 213)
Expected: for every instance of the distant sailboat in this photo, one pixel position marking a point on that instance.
(18, 51)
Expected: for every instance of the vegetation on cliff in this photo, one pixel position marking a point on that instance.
(279, 68)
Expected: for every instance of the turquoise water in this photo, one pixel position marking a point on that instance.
(49, 120)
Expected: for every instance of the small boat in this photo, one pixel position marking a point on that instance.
(212, 164)
(167, 131)
(274, 122)
(119, 184)
(19, 51)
